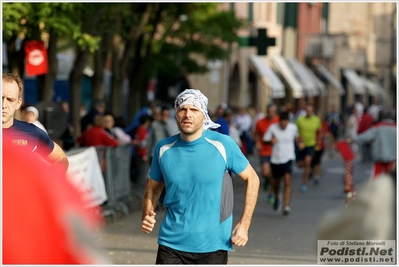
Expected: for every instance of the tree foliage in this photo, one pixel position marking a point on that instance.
(194, 29)
(140, 39)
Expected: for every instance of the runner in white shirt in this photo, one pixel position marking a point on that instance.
(282, 136)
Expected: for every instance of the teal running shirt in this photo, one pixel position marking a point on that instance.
(199, 192)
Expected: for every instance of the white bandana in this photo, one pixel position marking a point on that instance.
(196, 98)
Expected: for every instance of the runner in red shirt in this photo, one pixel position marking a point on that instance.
(265, 150)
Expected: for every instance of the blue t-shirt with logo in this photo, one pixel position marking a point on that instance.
(198, 190)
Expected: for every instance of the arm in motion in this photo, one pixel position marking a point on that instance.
(150, 201)
(240, 232)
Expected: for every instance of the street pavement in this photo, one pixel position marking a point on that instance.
(273, 238)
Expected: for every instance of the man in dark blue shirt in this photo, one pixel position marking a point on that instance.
(25, 134)
(29, 136)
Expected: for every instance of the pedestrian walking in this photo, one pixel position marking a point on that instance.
(382, 137)
(365, 123)
(22, 133)
(265, 149)
(243, 123)
(352, 124)
(193, 166)
(308, 126)
(335, 122)
(282, 136)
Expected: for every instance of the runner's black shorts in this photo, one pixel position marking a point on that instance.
(264, 159)
(301, 154)
(167, 255)
(279, 170)
(317, 157)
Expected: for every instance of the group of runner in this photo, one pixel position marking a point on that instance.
(283, 140)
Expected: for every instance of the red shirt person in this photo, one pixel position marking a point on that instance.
(141, 137)
(265, 150)
(365, 123)
(97, 135)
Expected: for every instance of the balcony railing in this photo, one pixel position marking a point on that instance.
(317, 45)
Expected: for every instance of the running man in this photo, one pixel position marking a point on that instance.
(193, 166)
(23, 134)
(319, 149)
(308, 126)
(282, 136)
(265, 150)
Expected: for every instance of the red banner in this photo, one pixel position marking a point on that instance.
(36, 62)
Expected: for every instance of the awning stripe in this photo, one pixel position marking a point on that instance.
(330, 78)
(268, 75)
(320, 85)
(303, 76)
(355, 81)
(373, 88)
(283, 68)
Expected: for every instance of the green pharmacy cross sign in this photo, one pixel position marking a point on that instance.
(262, 42)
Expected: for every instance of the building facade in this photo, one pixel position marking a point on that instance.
(365, 42)
(323, 53)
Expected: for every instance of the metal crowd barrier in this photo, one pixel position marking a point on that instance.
(115, 165)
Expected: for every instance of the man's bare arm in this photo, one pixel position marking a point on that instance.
(150, 200)
(57, 157)
(251, 179)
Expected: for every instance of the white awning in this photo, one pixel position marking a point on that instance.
(355, 81)
(320, 85)
(330, 78)
(269, 77)
(288, 75)
(303, 76)
(373, 88)
(380, 88)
